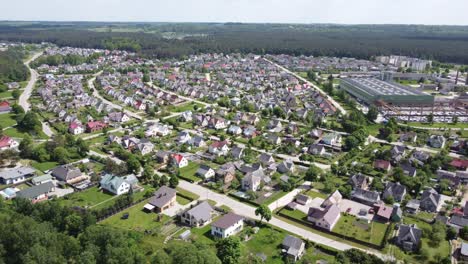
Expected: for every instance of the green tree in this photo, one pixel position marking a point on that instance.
(61, 155)
(264, 212)
(372, 114)
(148, 173)
(229, 250)
(133, 164)
(173, 181)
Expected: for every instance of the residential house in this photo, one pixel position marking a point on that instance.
(198, 216)
(37, 193)
(334, 198)
(118, 185)
(118, 117)
(226, 174)
(163, 199)
(7, 142)
(408, 170)
(197, 141)
(234, 130)
(360, 181)
(286, 166)
(219, 148)
(183, 137)
(325, 218)
(302, 199)
(179, 160)
(293, 247)
(384, 213)
(17, 175)
(205, 172)
(316, 149)
(437, 141)
(95, 126)
(157, 130)
(274, 139)
(412, 206)
(366, 197)
(331, 139)
(5, 107)
(430, 200)
(409, 137)
(75, 128)
(409, 237)
(217, 123)
(459, 164)
(266, 159)
(228, 225)
(463, 256)
(187, 116)
(382, 165)
(397, 153)
(66, 173)
(41, 179)
(163, 156)
(237, 152)
(395, 190)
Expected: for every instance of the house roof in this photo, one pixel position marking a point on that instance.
(370, 196)
(385, 211)
(396, 190)
(430, 195)
(227, 220)
(17, 172)
(66, 172)
(162, 196)
(35, 191)
(411, 231)
(328, 214)
(458, 220)
(201, 212)
(293, 245)
(464, 249)
(42, 178)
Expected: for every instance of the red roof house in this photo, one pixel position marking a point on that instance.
(459, 164)
(382, 165)
(95, 126)
(5, 107)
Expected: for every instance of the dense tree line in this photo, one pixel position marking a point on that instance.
(443, 43)
(12, 68)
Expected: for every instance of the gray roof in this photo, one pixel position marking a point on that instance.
(41, 178)
(362, 194)
(227, 220)
(464, 249)
(35, 191)
(396, 190)
(203, 170)
(411, 231)
(293, 245)
(458, 221)
(162, 196)
(17, 173)
(66, 172)
(201, 212)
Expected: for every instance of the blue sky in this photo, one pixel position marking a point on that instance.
(447, 12)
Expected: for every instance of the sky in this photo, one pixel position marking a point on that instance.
(433, 12)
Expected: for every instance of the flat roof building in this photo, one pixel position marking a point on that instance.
(372, 90)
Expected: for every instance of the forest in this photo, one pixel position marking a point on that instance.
(441, 43)
(12, 68)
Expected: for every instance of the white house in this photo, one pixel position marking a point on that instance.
(157, 130)
(75, 128)
(114, 184)
(179, 160)
(205, 172)
(7, 142)
(219, 148)
(228, 225)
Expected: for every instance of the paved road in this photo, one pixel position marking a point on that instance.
(105, 156)
(294, 159)
(24, 97)
(283, 201)
(335, 103)
(249, 211)
(97, 95)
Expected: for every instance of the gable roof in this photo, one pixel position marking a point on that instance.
(35, 191)
(162, 196)
(16, 173)
(292, 244)
(227, 220)
(201, 212)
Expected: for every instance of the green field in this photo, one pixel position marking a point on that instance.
(372, 233)
(315, 194)
(182, 200)
(7, 94)
(188, 194)
(438, 125)
(138, 219)
(44, 166)
(7, 120)
(87, 198)
(267, 241)
(184, 107)
(188, 172)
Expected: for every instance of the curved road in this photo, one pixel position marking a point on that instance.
(24, 97)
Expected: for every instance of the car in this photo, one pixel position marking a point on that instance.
(371, 211)
(348, 210)
(125, 216)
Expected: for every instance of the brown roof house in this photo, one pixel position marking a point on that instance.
(228, 225)
(67, 173)
(163, 199)
(325, 218)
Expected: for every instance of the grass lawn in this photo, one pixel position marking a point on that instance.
(89, 197)
(267, 241)
(315, 194)
(203, 234)
(7, 120)
(188, 172)
(13, 132)
(296, 214)
(371, 233)
(182, 200)
(138, 220)
(6, 94)
(188, 194)
(275, 196)
(184, 107)
(44, 166)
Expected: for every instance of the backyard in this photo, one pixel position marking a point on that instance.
(372, 232)
(188, 172)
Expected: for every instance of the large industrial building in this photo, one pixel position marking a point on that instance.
(375, 91)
